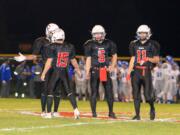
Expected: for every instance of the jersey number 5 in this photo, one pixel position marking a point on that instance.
(62, 59)
(101, 56)
(141, 55)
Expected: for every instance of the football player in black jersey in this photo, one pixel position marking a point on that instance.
(62, 53)
(144, 53)
(41, 47)
(99, 53)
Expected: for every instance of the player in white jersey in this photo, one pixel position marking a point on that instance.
(124, 87)
(80, 81)
(113, 76)
(171, 95)
(167, 68)
(158, 79)
(178, 88)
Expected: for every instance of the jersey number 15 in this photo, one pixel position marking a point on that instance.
(62, 59)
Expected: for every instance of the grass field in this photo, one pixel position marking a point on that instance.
(13, 122)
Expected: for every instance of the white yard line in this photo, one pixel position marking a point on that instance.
(24, 129)
(27, 129)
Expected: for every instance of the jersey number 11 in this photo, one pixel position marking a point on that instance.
(141, 55)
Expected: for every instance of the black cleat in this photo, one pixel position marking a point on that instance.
(152, 114)
(112, 115)
(136, 118)
(94, 115)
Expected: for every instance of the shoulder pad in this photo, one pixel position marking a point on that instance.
(134, 41)
(88, 41)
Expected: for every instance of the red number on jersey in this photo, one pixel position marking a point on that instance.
(141, 55)
(62, 59)
(101, 56)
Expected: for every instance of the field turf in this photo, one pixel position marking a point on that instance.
(21, 117)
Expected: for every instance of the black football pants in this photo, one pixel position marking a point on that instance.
(94, 83)
(141, 78)
(62, 76)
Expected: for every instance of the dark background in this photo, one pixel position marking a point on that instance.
(22, 21)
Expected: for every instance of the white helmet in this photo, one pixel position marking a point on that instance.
(98, 29)
(58, 35)
(50, 28)
(144, 28)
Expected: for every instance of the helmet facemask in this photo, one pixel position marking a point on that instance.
(99, 37)
(143, 36)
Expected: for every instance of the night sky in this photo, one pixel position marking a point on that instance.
(22, 21)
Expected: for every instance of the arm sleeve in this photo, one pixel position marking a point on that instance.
(37, 46)
(51, 51)
(131, 49)
(156, 49)
(87, 49)
(73, 53)
(113, 48)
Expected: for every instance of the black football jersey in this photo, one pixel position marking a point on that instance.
(141, 51)
(100, 52)
(61, 54)
(41, 47)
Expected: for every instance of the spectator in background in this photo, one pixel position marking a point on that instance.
(158, 84)
(174, 78)
(124, 86)
(35, 79)
(81, 83)
(5, 76)
(82, 61)
(178, 88)
(113, 75)
(165, 94)
(22, 73)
